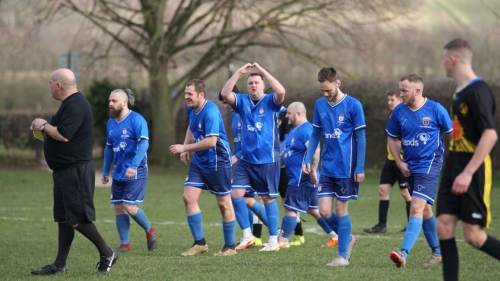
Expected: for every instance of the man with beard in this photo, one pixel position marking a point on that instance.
(339, 118)
(68, 151)
(126, 145)
(301, 194)
(420, 123)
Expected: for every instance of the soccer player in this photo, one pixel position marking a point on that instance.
(259, 164)
(302, 193)
(284, 128)
(390, 174)
(210, 167)
(126, 145)
(419, 123)
(340, 120)
(252, 205)
(465, 188)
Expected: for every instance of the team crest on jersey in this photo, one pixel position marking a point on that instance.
(124, 133)
(322, 114)
(341, 118)
(463, 109)
(261, 110)
(239, 124)
(199, 125)
(292, 140)
(426, 120)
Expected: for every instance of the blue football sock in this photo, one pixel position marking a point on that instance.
(260, 211)
(250, 218)
(344, 234)
(272, 218)
(333, 222)
(288, 224)
(123, 227)
(141, 219)
(194, 222)
(324, 225)
(430, 232)
(241, 212)
(411, 235)
(229, 229)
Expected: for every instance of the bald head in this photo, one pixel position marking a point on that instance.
(62, 83)
(296, 113)
(64, 76)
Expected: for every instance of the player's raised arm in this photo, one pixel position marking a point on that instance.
(279, 90)
(227, 91)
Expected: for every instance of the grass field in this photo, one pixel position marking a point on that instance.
(29, 239)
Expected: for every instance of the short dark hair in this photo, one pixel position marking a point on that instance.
(327, 74)
(255, 74)
(393, 92)
(458, 44)
(199, 85)
(235, 90)
(412, 78)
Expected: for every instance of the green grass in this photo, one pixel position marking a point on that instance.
(29, 239)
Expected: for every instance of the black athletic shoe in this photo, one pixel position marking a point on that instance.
(403, 230)
(376, 229)
(105, 264)
(49, 269)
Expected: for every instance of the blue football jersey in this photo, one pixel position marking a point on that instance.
(260, 140)
(124, 137)
(420, 131)
(204, 123)
(236, 128)
(295, 154)
(338, 122)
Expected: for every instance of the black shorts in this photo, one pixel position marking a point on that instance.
(283, 185)
(472, 207)
(74, 194)
(391, 173)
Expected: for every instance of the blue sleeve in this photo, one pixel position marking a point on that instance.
(361, 151)
(313, 144)
(238, 154)
(108, 157)
(211, 121)
(141, 152)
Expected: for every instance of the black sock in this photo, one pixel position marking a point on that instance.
(408, 206)
(89, 230)
(298, 229)
(449, 252)
(66, 235)
(492, 247)
(257, 230)
(383, 208)
(201, 242)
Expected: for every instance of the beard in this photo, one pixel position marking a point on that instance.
(113, 113)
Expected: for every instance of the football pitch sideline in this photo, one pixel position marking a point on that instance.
(28, 239)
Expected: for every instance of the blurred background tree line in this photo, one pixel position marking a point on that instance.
(155, 46)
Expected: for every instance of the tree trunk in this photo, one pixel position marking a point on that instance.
(164, 120)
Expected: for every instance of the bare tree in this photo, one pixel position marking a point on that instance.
(176, 41)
